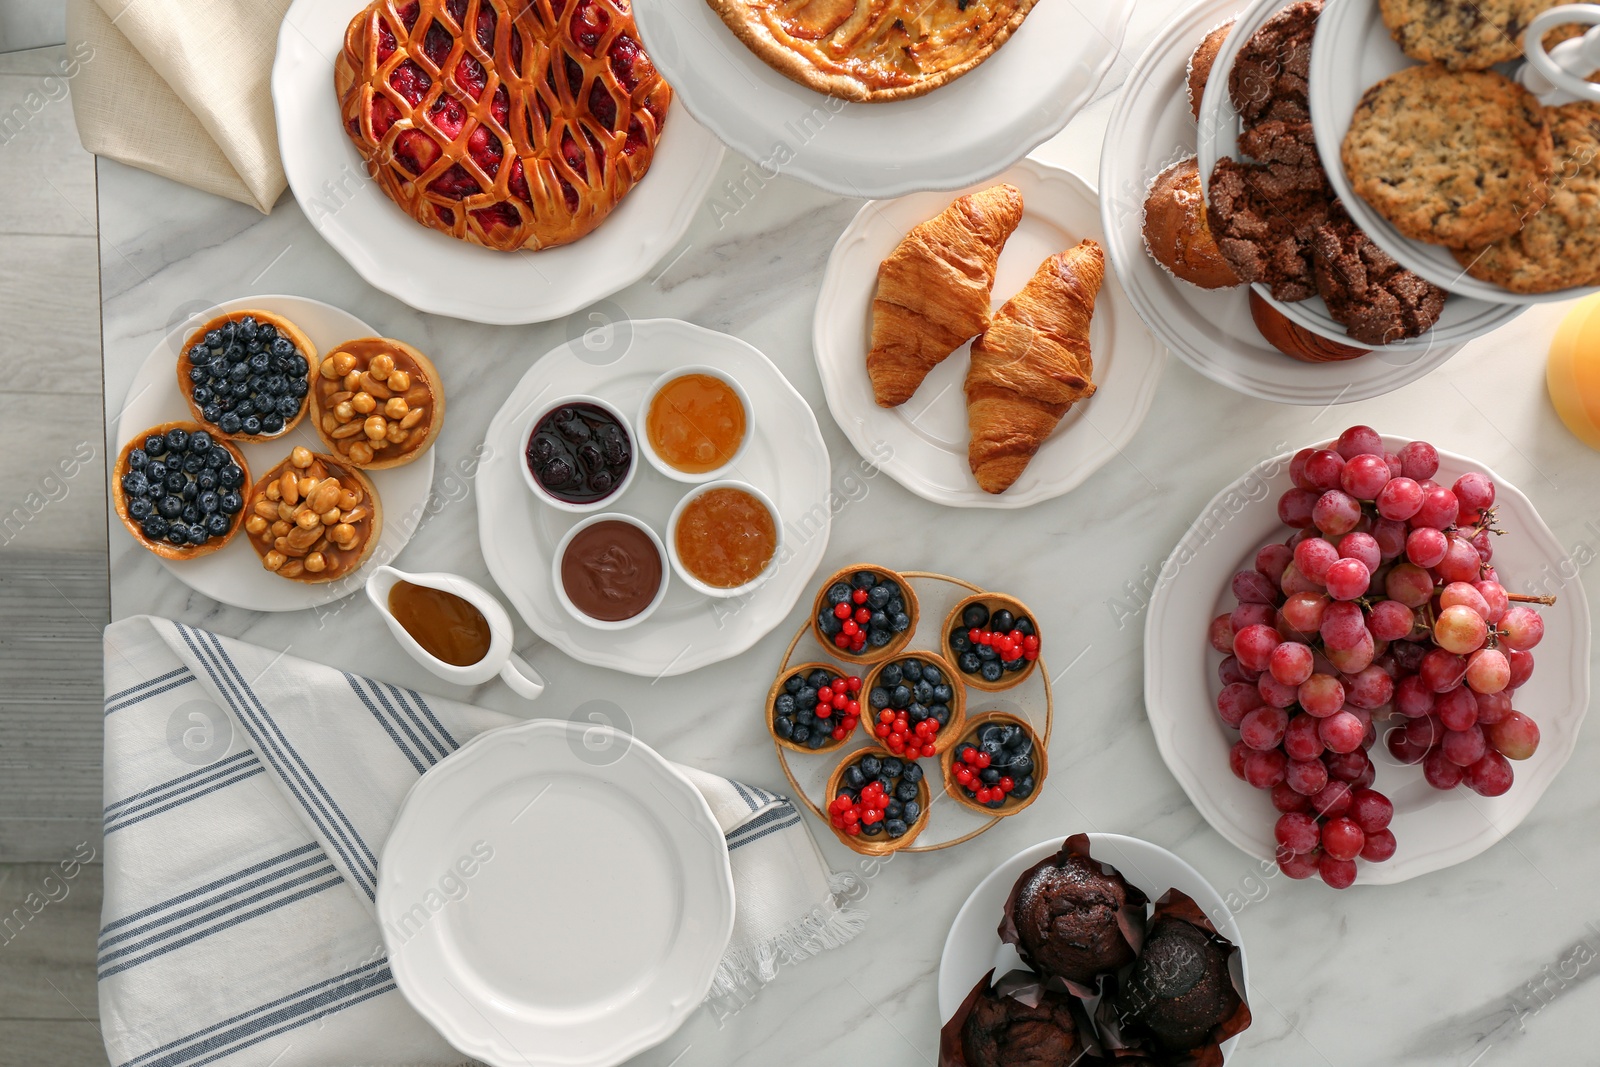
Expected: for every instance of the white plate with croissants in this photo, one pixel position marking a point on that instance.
(979, 340)
(463, 185)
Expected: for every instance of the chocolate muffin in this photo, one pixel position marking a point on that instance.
(1263, 219)
(1072, 917)
(1179, 990)
(1004, 1031)
(1375, 299)
(1269, 76)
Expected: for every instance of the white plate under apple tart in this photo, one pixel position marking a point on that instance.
(873, 50)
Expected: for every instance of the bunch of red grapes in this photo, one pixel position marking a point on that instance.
(1382, 604)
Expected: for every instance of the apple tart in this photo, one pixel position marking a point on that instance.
(509, 125)
(873, 50)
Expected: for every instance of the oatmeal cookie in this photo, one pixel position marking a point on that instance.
(1461, 34)
(1559, 246)
(1450, 158)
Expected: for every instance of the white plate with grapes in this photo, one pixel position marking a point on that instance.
(1390, 734)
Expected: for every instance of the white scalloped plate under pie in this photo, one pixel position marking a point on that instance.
(957, 134)
(435, 272)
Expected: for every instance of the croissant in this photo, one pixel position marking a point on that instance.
(933, 290)
(1031, 365)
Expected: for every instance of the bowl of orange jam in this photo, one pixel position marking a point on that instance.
(694, 423)
(724, 538)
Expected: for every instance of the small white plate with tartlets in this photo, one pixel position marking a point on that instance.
(234, 575)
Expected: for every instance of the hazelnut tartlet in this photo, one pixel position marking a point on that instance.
(313, 518)
(179, 490)
(377, 402)
(245, 374)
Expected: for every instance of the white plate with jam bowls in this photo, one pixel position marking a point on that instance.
(540, 905)
(498, 661)
(558, 580)
(688, 576)
(647, 446)
(786, 458)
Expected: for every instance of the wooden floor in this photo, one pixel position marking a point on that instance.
(53, 585)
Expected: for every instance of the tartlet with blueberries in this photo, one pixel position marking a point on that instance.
(179, 490)
(915, 707)
(813, 707)
(992, 639)
(245, 374)
(865, 613)
(998, 765)
(879, 802)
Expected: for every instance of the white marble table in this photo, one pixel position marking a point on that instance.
(1487, 963)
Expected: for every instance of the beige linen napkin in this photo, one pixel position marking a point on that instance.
(181, 88)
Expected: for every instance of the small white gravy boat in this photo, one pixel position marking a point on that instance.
(500, 659)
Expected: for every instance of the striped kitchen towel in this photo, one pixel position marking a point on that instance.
(248, 794)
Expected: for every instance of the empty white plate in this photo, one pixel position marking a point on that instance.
(1433, 829)
(922, 443)
(432, 271)
(959, 133)
(973, 945)
(234, 575)
(543, 907)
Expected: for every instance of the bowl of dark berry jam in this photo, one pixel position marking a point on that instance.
(578, 454)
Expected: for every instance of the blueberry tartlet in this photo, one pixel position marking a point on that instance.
(992, 640)
(997, 767)
(377, 402)
(245, 374)
(813, 707)
(879, 803)
(179, 490)
(313, 518)
(865, 614)
(915, 706)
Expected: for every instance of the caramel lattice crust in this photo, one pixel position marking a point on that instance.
(523, 133)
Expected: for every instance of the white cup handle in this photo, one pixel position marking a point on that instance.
(522, 678)
(1556, 78)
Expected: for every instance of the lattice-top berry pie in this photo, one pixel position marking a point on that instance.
(508, 123)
